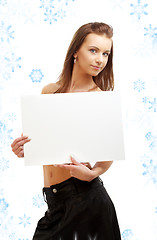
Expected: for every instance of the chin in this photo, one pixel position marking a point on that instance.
(96, 74)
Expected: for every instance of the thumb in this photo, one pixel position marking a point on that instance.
(74, 161)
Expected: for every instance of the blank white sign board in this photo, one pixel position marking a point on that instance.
(87, 125)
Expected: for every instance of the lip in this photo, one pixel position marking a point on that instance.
(96, 67)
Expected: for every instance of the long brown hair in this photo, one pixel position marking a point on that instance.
(105, 79)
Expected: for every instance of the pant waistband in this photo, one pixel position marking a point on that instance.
(69, 187)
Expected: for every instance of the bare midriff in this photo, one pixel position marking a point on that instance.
(54, 175)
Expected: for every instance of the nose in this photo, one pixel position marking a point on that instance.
(99, 59)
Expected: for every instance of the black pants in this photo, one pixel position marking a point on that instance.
(78, 210)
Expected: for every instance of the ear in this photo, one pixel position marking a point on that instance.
(75, 55)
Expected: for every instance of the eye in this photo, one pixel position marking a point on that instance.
(92, 50)
(106, 54)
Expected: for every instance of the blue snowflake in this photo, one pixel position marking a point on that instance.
(13, 62)
(151, 32)
(54, 9)
(7, 224)
(1, 125)
(153, 141)
(117, 3)
(3, 2)
(145, 100)
(5, 32)
(38, 201)
(12, 117)
(153, 145)
(145, 158)
(36, 75)
(54, 16)
(150, 170)
(5, 133)
(61, 14)
(4, 164)
(24, 220)
(46, 4)
(156, 210)
(153, 105)
(3, 205)
(50, 16)
(149, 136)
(1, 192)
(139, 85)
(4, 69)
(12, 236)
(23, 239)
(5, 75)
(127, 234)
(138, 9)
(66, 1)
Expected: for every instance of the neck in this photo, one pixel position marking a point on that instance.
(81, 82)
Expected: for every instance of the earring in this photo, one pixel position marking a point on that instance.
(74, 60)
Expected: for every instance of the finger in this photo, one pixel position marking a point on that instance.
(18, 140)
(74, 161)
(19, 150)
(68, 167)
(17, 145)
(85, 164)
(21, 154)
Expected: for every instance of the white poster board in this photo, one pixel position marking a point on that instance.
(87, 125)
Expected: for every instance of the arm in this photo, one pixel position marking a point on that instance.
(100, 168)
(82, 172)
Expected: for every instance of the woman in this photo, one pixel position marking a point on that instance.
(78, 204)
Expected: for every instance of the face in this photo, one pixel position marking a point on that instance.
(93, 54)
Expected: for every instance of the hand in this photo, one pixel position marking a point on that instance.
(17, 145)
(78, 170)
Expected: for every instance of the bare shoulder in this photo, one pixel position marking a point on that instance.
(97, 89)
(50, 88)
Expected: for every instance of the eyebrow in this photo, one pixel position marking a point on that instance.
(99, 49)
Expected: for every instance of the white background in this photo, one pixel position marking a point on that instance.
(30, 43)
